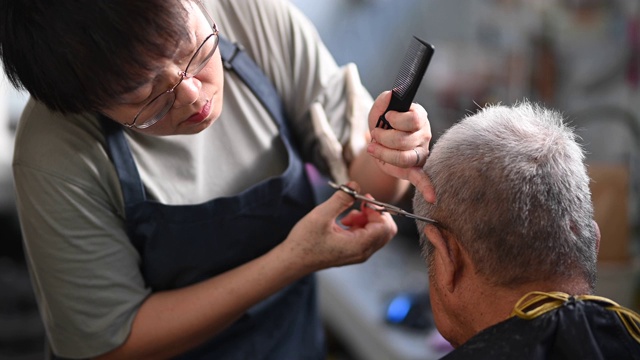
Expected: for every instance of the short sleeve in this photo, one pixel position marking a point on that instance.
(84, 270)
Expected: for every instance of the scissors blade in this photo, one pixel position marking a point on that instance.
(417, 217)
(393, 210)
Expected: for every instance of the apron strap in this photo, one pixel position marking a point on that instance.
(236, 59)
(120, 155)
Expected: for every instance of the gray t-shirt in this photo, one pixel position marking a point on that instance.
(83, 267)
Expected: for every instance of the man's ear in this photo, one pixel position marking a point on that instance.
(446, 256)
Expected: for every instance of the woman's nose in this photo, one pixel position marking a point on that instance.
(188, 91)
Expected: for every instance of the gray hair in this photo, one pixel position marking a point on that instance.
(512, 186)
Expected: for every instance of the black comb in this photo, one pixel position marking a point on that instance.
(408, 80)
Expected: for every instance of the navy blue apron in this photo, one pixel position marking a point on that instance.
(184, 244)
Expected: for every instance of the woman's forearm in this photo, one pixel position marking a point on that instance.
(171, 322)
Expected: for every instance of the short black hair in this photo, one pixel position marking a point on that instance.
(81, 55)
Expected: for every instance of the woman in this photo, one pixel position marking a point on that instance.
(164, 219)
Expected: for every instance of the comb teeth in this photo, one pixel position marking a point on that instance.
(413, 66)
(406, 84)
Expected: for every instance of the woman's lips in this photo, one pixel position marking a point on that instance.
(203, 114)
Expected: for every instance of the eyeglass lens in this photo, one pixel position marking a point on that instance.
(157, 108)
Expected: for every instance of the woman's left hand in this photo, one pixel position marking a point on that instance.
(402, 151)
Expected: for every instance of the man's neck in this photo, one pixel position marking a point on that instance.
(487, 305)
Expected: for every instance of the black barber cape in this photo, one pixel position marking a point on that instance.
(558, 326)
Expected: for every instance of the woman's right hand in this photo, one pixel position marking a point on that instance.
(171, 322)
(318, 241)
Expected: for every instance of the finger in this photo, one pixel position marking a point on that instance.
(378, 108)
(402, 158)
(396, 139)
(423, 184)
(421, 156)
(364, 215)
(338, 202)
(402, 140)
(355, 219)
(376, 224)
(413, 120)
(373, 212)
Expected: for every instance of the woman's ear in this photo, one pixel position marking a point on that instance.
(446, 256)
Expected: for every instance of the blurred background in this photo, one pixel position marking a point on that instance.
(581, 57)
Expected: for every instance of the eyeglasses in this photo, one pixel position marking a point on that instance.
(158, 107)
(393, 210)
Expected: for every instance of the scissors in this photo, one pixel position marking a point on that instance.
(393, 210)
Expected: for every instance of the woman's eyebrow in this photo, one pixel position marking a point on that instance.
(186, 48)
(141, 90)
(183, 53)
(137, 95)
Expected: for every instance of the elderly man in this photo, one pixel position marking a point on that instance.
(512, 257)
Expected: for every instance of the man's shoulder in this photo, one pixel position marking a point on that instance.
(580, 328)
